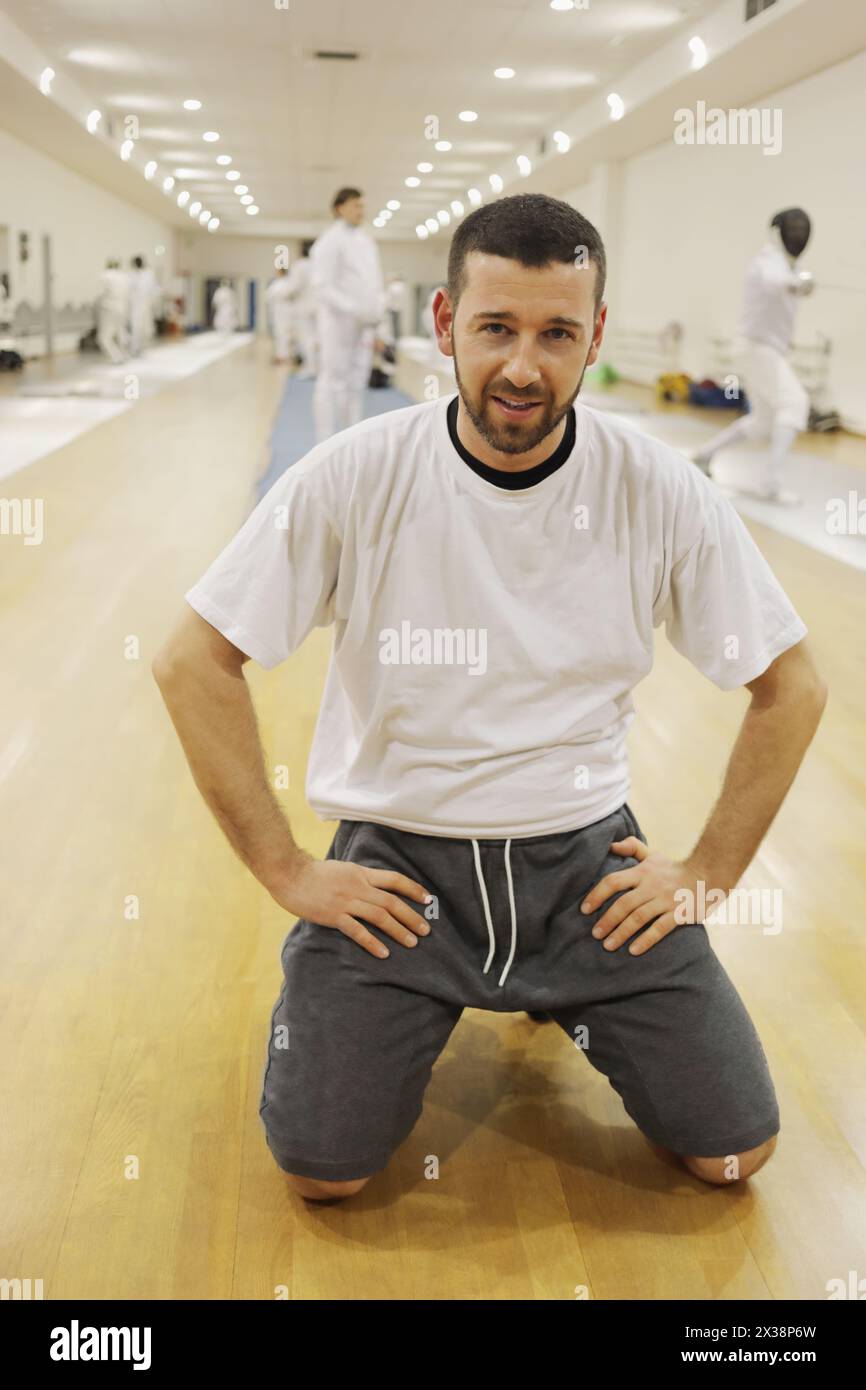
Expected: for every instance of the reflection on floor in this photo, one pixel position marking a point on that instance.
(51, 402)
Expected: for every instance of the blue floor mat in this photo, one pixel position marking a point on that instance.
(293, 434)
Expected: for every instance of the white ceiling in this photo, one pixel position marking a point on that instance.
(297, 127)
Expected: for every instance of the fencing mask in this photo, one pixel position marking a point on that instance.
(795, 229)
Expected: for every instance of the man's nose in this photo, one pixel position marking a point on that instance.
(520, 367)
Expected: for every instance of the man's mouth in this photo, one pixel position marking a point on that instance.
(516, 409)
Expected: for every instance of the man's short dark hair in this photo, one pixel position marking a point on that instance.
(344, 195)
(530, 228)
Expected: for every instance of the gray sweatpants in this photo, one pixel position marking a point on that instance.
(354, 1038)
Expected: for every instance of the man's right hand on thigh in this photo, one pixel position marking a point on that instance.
(335, 893)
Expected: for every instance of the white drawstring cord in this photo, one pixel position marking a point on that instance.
(504, 974)
(486, 905)
(503, 977)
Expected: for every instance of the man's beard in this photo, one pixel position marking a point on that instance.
(503, 437)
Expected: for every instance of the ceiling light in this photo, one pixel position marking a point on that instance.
(233, 174)
(504, 73)
(421, 231)
(182, 199)
(240, 188)
(126, 149)
(46, 77)
(93, 121)
(457, 208)
(192, 105)
(495, 183)
(562, 141)
(442, 145)
(424, 168)
(562, 4)
(393, 204)
(444, 217)
(204, 217)
(386, 214)
(213, 224)
(223, 159)
(194, 209)
(412, 182)
(524, 164)
(168, 184)
(210, 136)
(617, 107)
(247, 199)
(468, 116)
(431, 224)
(150, 169)
(698, 50)
(474, 196)
(378, 222)
(252, 210)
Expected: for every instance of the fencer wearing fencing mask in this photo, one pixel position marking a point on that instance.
(779, 404)
(773, 284)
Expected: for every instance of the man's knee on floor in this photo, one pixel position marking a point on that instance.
(318, 1190)
(731, 1167)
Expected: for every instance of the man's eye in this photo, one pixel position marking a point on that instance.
(560, 330)
(494, 325)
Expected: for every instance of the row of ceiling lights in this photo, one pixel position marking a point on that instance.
(442, 219)
(616, 105)
(195, 209)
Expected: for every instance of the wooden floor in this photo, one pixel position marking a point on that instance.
(141, 960)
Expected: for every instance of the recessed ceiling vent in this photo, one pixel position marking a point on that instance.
(329, 55)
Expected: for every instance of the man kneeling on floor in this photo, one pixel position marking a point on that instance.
(487, 855)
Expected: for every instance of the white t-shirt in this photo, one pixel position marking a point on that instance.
(486, 641)
(769, 308)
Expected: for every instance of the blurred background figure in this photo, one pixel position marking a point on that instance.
(395, 301)
(225, 308)
(304, 319)
(779, 403)
(112, 312)
(143, 293)
(279, 297)
(349, 289)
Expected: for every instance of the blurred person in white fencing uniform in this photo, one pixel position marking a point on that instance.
(143, 293)
(112, 312)
(350, 296)
(279, 297)
(305, 315)
(779, 403)
(225, 308)
(395, 299)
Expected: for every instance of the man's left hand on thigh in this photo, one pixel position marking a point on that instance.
(658, 891)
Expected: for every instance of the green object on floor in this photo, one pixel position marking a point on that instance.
(602, 375)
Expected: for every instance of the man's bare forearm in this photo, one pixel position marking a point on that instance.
(213, 713)
(770, 747)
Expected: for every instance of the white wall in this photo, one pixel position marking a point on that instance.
(691, 216)
(203, 255)
(86, 225)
